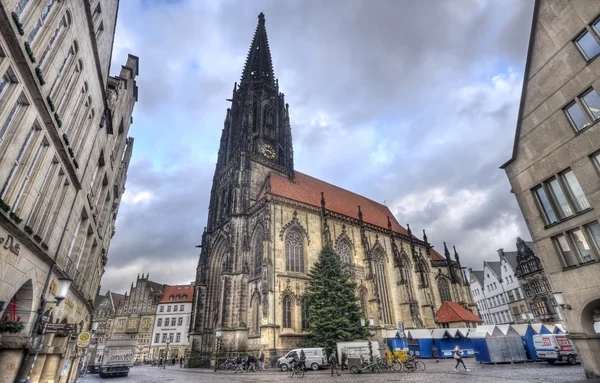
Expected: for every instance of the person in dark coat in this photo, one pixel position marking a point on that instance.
(459, 359)
(434, 353)
(333, 360)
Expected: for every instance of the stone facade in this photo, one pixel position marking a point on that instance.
(267, 224)
(135, 318)
(554, 168)
(64, 155)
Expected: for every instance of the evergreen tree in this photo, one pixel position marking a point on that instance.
(333, 311)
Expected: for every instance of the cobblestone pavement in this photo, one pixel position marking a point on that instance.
(435, 372)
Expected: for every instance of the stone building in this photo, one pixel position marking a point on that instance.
(64, 155)
(555, 163)
(106, 307)
(268, 222)
(172, 323)
(134, 319)
(498, 291)
(535, 285)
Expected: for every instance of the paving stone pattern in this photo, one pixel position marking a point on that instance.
(435, 373)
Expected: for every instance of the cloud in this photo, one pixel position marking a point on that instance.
(411, 103)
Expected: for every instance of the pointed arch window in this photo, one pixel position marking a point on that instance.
(255, 320)
(382, 288)
(304, 309)
(294, 251)
(258, 251)
(422, 271)
(363, 301)
(287, 312)
(444, 289)
(344, 251)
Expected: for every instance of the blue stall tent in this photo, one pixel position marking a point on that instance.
(479, 341)
(447, 338)
(527, 332)
(420, 342)
(398, 341)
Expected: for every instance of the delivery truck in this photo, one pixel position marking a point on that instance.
(118, 357)
(555, 347)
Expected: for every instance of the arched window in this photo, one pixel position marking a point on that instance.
(287, 312)
(255, 320)
(258, 251)
(305, 323)
(382, 288)
(56, 37)
(294, 251)
(344, 251)
(363, 301)
(422, 271)
(444, 289)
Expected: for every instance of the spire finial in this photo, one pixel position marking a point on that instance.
(446, 252)
(261, 17)
(389, 223)
(425, 237)
(258, 67)
(360, 216)
(408, 229)
(323, 202)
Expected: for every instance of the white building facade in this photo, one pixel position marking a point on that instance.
(172, 323)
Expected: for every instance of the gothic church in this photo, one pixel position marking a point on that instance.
(267, 224)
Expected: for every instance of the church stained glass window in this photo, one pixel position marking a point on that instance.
(381, 282)
(287, 312)
(344, 251)
(258, 252)
(444, 289)
(294, 251)
(255, 321)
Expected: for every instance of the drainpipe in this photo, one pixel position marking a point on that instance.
(274, 282)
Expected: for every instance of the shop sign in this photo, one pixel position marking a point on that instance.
(60, 328)
(11, 244)
(79, 309)
(69, 303)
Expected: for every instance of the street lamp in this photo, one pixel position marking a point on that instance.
(62, 290)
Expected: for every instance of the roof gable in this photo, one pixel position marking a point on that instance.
(451, 312)
(175, 294)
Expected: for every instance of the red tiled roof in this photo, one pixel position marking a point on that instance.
(307, 189)
(453, 312)
(178, 290)
(436, 256)
(118, 299)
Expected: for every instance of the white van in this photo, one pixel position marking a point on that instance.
(315, 358)
(555, 347)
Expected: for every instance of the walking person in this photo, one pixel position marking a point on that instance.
(344, 359)
(302, 359)
(261, 361)
(333, 360)
(459, 359)
(181, 362)
(434, 353)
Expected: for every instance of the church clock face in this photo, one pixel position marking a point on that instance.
(268, 151)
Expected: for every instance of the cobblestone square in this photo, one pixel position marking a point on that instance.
(435, 372)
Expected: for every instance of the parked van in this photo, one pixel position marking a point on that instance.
(555, 347)
(315, 358)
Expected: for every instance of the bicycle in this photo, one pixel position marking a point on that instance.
(296, 369)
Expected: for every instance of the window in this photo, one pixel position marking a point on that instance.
(444, 290)
(294, 248)
(567, 255)
(596, 159)
(171, 337)
(363, 301)
(505, 268)
(511, 296)
(518, 294)
(175, 308)
(591, 101)
(11, 118)
(181, 306)
(544, 203)
(527, 289)
(576, 116)
(536, 286)
(287, 312)
(495, 286)
(179, 321)
(344, 251)
(304, 315)
(381, 285)
(159, 322)
(593, 230)
(259, 251)
(156, 338)
(587, 44)
(164, 337)
(564, 207)
(511, 278)
(168, 309)
(581, 244)
(178, 337)
(579, 198)
(162, 308)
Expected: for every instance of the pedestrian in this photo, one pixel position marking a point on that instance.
(333, 360)
(434, 353)
(238, 365)
(181, 362)
(302, 359)
(344, 359)
(173, 362)
(261, 361)
(160, 362)
(459, 359)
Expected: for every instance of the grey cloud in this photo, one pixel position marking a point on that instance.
(383, 73)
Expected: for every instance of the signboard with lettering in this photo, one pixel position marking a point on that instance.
(10, 243)
(60, 328)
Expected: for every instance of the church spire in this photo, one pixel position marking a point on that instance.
(259, 67)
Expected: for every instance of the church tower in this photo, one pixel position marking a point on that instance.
(256, 136)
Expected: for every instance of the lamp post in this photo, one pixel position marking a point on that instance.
(62, 290)
(76, 355)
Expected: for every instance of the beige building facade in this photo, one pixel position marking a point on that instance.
(268, 222)
(554, 170)
(64, 155)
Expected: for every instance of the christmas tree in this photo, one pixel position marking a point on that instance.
(333, 311)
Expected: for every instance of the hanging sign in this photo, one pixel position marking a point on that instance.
(83, 340)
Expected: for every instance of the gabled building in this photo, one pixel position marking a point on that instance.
(515, 297)
(172, 323)
(554, 168)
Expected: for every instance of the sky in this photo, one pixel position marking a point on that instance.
(409, 103)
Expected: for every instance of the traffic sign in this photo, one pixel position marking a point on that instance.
(83, 340)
